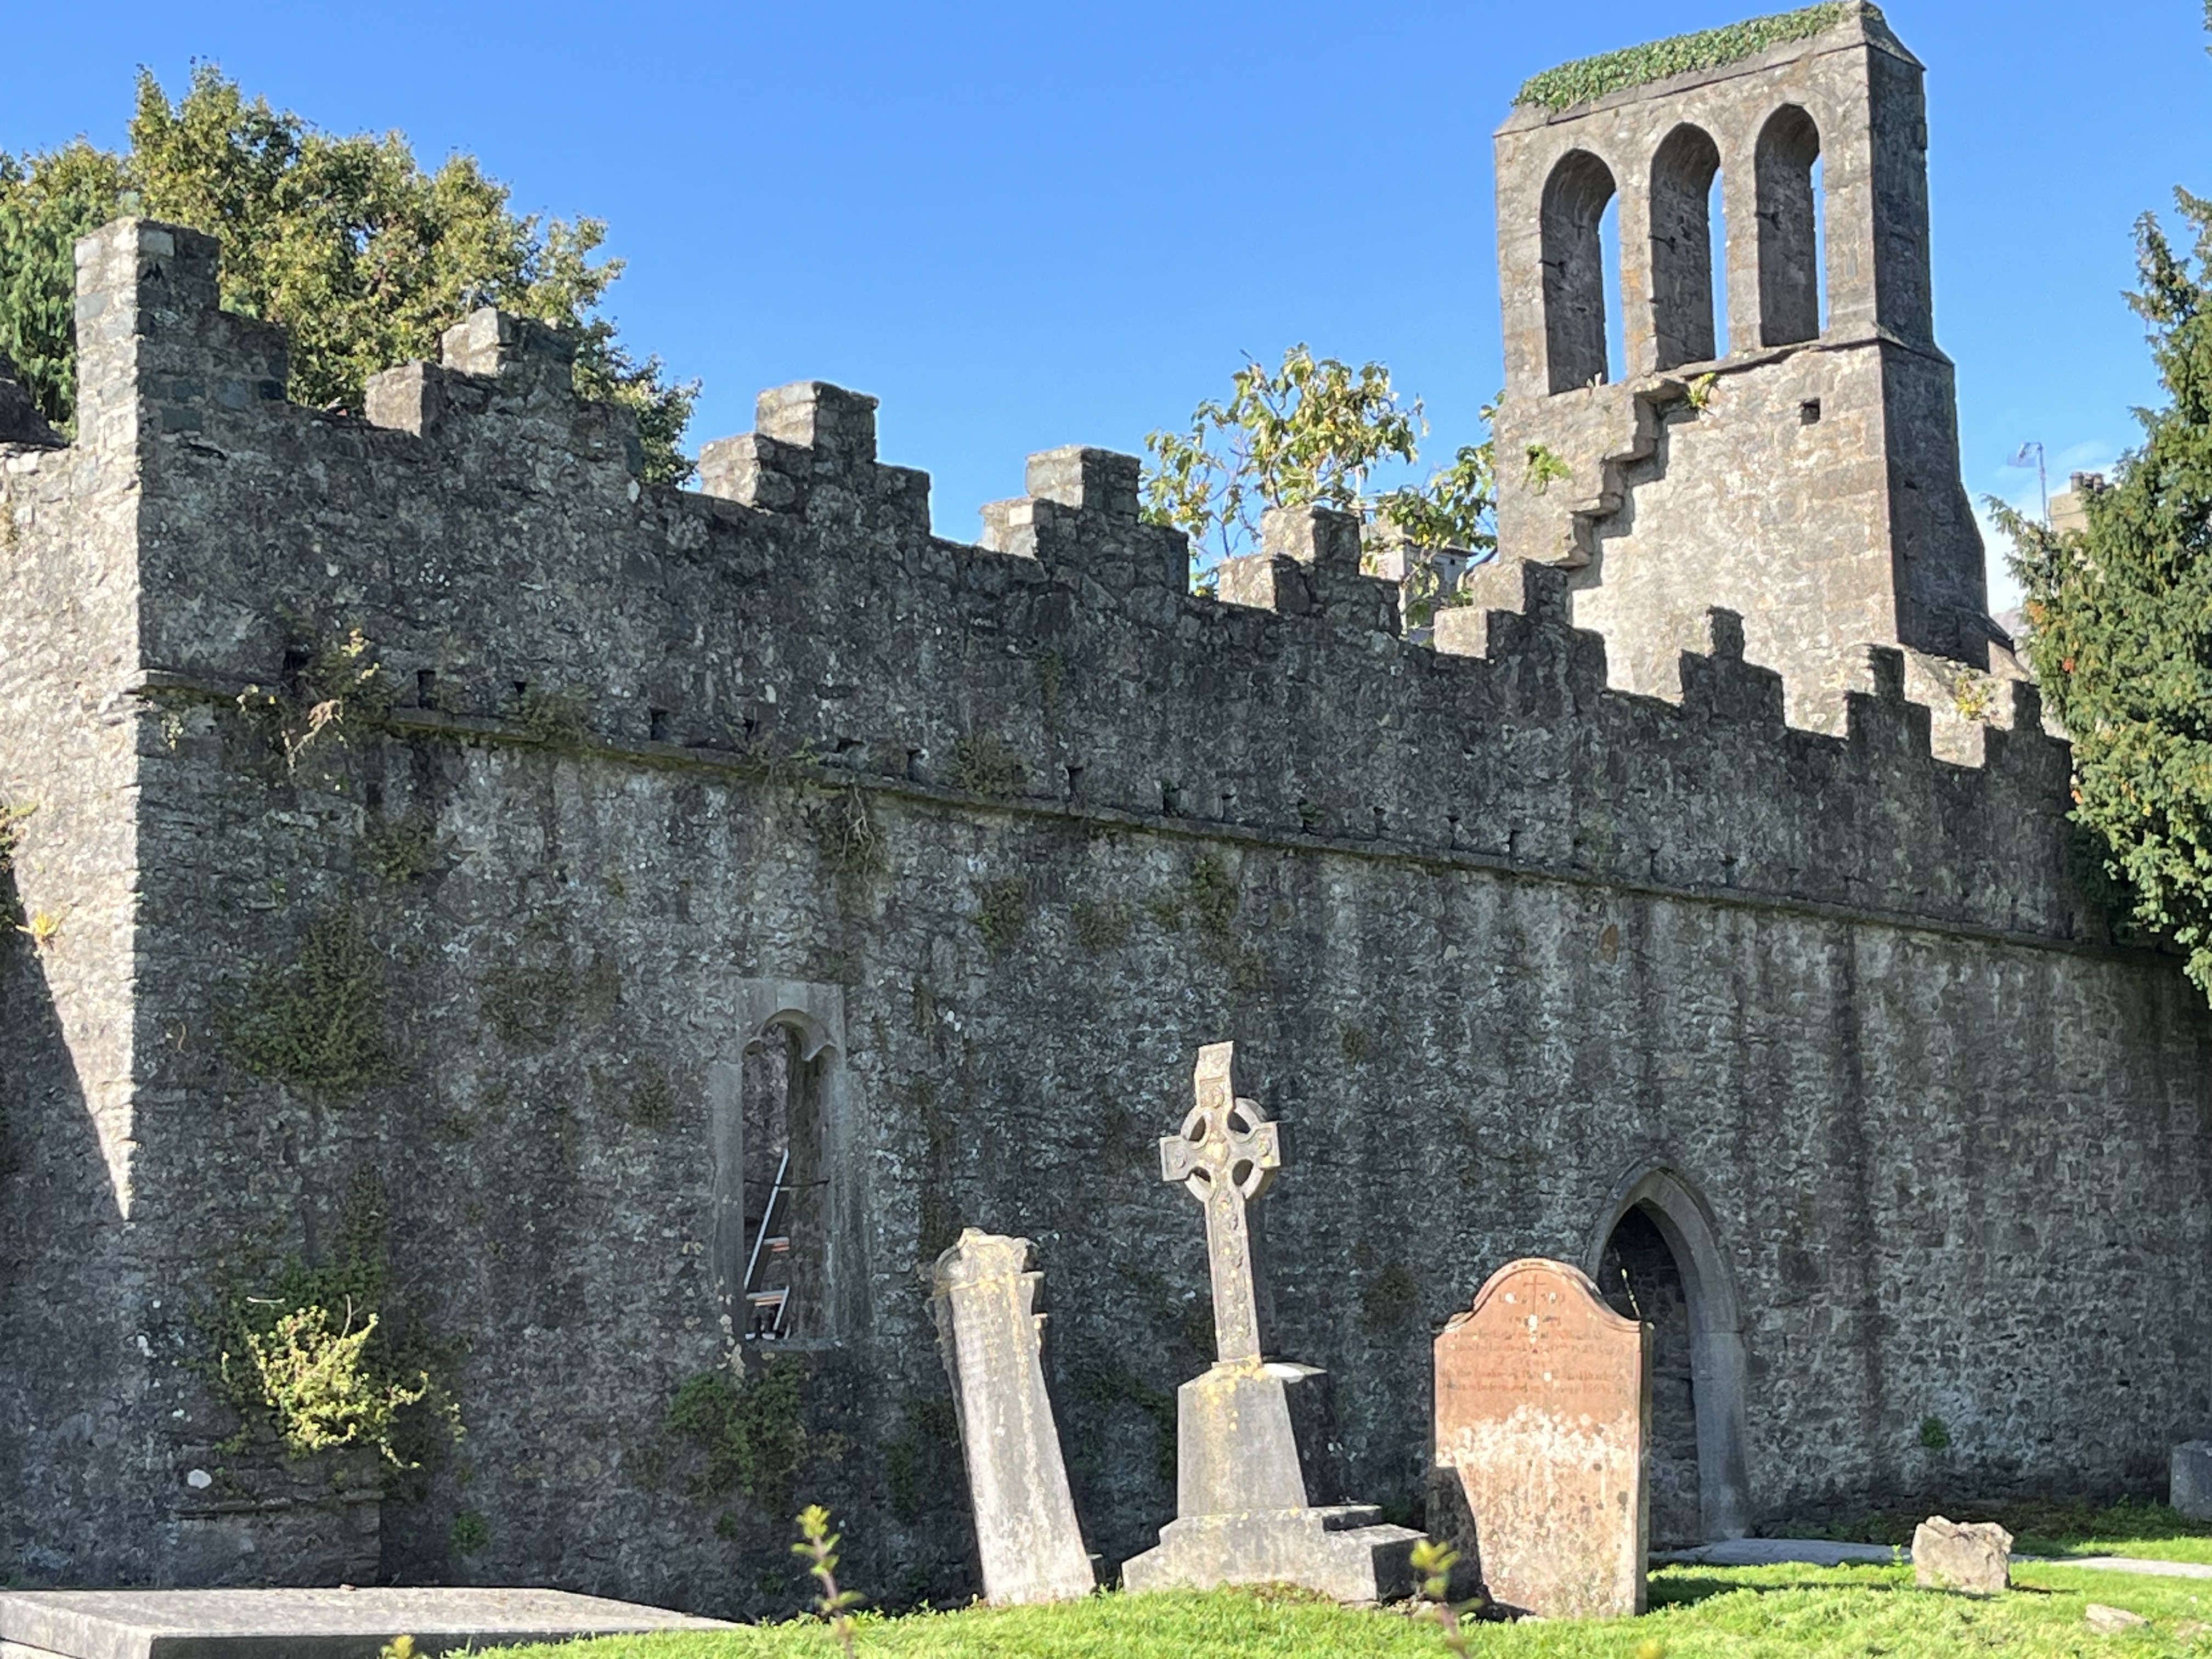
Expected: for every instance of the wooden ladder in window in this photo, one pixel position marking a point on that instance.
(767, 1311)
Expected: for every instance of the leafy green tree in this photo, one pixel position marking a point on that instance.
(2120, 615)
(346, 240)
(1310, 432)
(47, 202)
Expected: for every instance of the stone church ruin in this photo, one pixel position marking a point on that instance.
(654, 924)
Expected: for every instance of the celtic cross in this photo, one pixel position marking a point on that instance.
(1225, 1155)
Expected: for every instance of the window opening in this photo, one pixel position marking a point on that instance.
(1685, 183)
(783, 1235)
(1574, 255)
(1791, 241)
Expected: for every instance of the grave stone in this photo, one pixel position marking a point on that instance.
(989, 1326)
(1972, 1557)
(339, 1623)
(1249, 1446)
(2191, 1489)
(1543, 1402)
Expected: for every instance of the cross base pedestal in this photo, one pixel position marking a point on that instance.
(1251, 1451)
(1339, 1551)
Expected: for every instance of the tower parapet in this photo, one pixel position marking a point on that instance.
(1782, 439)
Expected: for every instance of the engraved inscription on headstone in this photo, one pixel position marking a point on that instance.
(1026, 1535)
(1543, 1401)
(1247, 1450)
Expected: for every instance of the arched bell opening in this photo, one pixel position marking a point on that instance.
(1785, 164)
(1684, 172)
(1575, 197)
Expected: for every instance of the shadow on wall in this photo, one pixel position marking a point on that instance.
(72, 1377)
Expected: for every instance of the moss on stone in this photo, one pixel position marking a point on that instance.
(1002, 912)
(753, 1435)
(986, 766)
(1589, 78)
(318, 1022)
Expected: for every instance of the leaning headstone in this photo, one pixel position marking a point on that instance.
(1249, 1442)
(1973, 1557)
(2191, 1491)
(1543, 1402)
(990, 1330)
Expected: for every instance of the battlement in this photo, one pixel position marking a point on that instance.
(422, 802)
(485, 528)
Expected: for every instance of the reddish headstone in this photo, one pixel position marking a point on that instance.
(1543, 1416)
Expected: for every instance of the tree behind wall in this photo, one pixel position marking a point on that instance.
(364, 256)
(2121, 615)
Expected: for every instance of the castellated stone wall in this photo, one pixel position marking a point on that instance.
(1005, 833)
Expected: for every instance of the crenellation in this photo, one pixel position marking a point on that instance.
(1308, 564)
(1090, 480)
(1035, 819)
(495, 344)
(1080, 519)
(813, 451)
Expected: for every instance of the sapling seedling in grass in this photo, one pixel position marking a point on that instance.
(818, 1545)
(1432, 1563)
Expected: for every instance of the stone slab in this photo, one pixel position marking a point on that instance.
(2126, 1563)
(1337, 1550)
(308, 1624)
(1784, 1551)
(1027, 1539)
(1543, 1411)
(1824, 1553)
(2191, 1492)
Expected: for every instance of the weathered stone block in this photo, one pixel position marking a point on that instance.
(1972, 1557)
(1336, 1550)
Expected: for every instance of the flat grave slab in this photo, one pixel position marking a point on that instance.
(306, 1624)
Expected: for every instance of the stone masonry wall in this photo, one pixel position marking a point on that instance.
(1038, 821)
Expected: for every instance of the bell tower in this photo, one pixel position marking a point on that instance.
(1776, 430)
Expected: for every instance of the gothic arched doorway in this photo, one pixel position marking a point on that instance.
(1655, 1256)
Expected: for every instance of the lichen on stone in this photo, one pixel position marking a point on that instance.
(1589, 78)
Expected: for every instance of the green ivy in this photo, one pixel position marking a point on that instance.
(1589, 78)
(317, 1023)
(754, 1438)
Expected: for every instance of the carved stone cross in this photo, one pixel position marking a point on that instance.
(1225, 1155)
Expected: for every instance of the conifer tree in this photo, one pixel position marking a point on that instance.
(363, 256)
(2120, 614)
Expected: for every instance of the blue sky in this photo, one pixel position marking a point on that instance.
(1029, 225)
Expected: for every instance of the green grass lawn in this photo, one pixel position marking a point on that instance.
(1729, 1612)
(2041, 1527)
